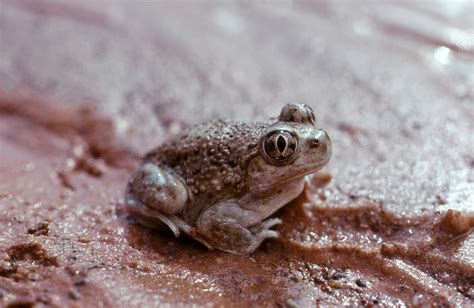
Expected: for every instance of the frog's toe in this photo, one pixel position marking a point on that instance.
(267, 224)
(149, 217)
(268, 234)
(259, 237)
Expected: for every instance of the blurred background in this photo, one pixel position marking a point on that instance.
(392, 81)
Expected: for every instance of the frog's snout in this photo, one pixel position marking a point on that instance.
(321, 143)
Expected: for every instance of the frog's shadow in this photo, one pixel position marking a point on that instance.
(160, 243)
(159, 240)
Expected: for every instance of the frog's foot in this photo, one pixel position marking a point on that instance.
(262, 230)
(232, 237)
(266, 224)
(158, 189)
(150, 217)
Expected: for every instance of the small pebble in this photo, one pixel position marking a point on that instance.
(338, 276)
(80, 282)
(361, 282)
(133, 264)
(74, 294)
(335, 284)
(42, 228)
(290, 303)
(84, 240)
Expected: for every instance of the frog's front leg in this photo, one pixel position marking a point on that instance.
(228, 227)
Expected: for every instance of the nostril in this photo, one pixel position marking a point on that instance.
(314, 143)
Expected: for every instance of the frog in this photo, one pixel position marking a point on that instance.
(219, 182)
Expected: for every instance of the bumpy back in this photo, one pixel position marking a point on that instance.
(211, 158)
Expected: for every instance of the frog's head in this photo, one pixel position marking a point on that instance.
(289, 149)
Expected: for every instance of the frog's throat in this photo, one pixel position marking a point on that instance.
(264, 187)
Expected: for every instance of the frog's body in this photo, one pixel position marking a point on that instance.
(219, 180)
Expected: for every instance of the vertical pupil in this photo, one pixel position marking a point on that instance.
(281, 143)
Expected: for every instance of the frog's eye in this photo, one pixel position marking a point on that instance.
(279, 146)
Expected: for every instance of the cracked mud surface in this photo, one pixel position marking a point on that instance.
(85, 90)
